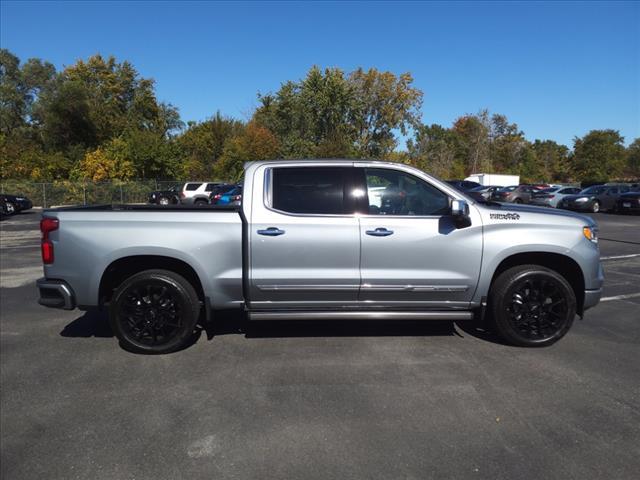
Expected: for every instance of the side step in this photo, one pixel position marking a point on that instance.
(360, 315)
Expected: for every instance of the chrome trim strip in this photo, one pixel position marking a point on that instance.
(361, 315)
(303, 288)
(415, 288)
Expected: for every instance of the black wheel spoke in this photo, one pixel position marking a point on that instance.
(149, 313)
(537, 307)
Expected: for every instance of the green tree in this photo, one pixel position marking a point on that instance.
(20, 87)
(331, 114)
(434, 150)
(552, 160)
(202, 144)
(473, 145)
(383, 103)
(599, 155)
(633, 159)
(254, 143)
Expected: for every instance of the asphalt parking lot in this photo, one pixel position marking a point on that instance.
(365, 400)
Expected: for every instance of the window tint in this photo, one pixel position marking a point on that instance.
(392, 192)
(192, 186)
(613, 190)
(210, 187)
(311, 190)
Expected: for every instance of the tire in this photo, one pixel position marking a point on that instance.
(154, 311)
(520, 294)
(595, 208)
(517, 200)
(201, 202)
(163, 201)
(11, 208)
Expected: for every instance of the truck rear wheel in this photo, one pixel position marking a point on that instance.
(154, 311)
(532, 306)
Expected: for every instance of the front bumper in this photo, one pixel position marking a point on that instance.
(591, 298)
(577, 206)
(55, 294)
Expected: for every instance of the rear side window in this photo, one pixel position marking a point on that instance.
(310, 190)
(192, 186)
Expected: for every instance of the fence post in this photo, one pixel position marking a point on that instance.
(84, 193)
(44, 195)
(121, 199)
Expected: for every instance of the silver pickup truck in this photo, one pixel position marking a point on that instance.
(324, 239)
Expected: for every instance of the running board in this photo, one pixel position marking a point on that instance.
(360, 315)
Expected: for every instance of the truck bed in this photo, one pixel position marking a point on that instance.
(90, 239)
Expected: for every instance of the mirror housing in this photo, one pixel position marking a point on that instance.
(460, 213)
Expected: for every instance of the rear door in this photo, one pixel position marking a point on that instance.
(304, 238)
(412, 255)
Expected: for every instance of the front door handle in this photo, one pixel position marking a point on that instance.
(380, 232)
(271, 232)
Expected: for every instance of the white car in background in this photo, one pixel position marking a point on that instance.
(197, 193)
(550, 197)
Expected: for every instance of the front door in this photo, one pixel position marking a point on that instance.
(304, 239)
(412, 254)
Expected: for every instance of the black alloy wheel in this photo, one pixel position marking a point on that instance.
(532, 305)
(154, 311)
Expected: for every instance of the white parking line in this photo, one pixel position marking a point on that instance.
(620, 297)
(20, 246)
(618, 257)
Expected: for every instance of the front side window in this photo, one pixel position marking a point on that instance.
(310, 190)
(392, 192)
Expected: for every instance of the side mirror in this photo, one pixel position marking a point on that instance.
(460, 213)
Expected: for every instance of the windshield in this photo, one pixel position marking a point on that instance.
(508, 189)
(550, 190)
(594, 190)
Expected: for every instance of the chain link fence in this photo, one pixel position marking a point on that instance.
(65, 192)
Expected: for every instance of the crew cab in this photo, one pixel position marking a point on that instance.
(324, 239)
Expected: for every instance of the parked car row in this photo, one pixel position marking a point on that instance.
(199, 194)
(609, 197)
(12, 204)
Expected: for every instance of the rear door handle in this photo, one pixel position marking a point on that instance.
(380, 232)
(271, 232)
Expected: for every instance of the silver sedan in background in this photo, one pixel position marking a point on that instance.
(550, 197)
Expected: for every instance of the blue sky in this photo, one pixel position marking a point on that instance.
(556, 69)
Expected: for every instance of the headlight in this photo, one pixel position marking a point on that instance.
(590, 233)
(582, 199)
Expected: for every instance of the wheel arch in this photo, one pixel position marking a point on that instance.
(124, 267)
(562, 264)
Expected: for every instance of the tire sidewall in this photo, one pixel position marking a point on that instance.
(185, 295)
(501, 316)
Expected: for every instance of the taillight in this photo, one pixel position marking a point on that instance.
(47, 225)
(217, 197)
(550, 196)
(237, 197)
(182, 195)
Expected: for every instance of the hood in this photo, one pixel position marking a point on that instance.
(532, 213)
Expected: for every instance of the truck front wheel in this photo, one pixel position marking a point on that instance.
(532, 306)
(154, 311)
